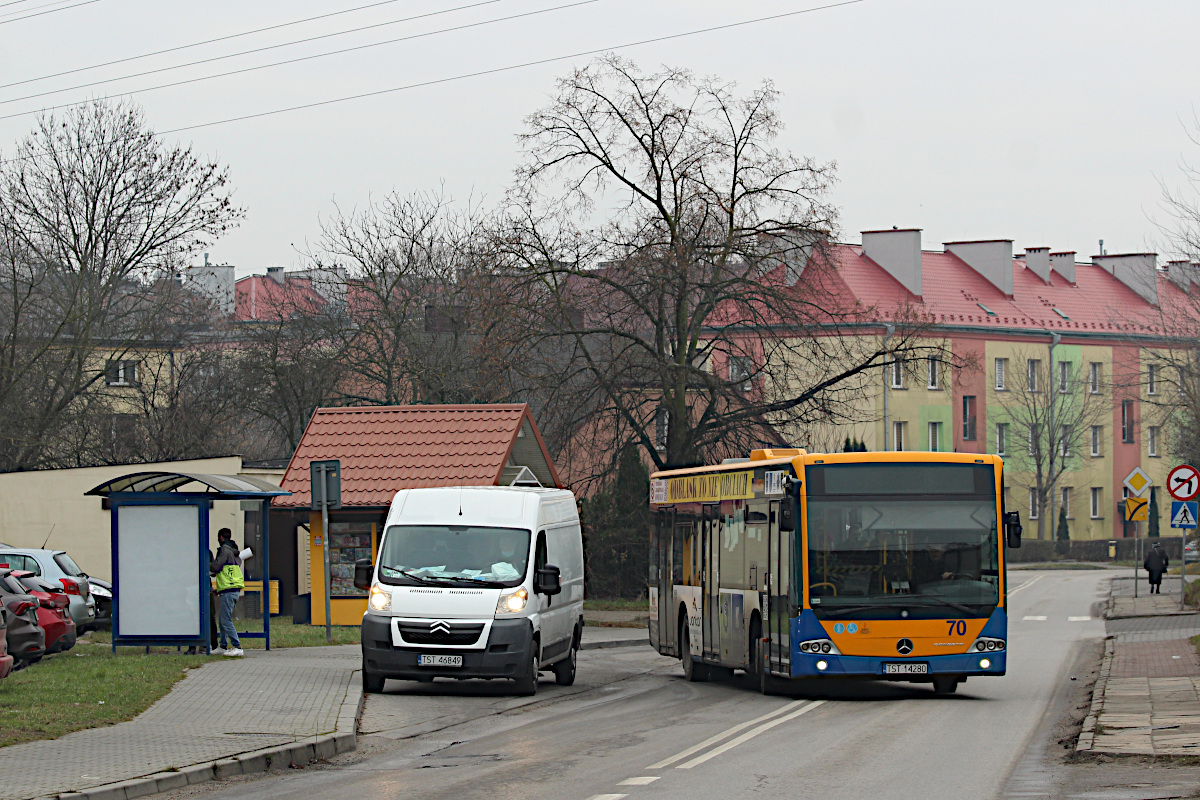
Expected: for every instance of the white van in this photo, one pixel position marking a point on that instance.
(475, 582)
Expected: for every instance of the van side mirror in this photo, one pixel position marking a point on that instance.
(1012, 529)
(364, 570)
(787, 514)
(548, 580)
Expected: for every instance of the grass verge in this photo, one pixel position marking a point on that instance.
(86, 687)
(617, 605)
(284, 633)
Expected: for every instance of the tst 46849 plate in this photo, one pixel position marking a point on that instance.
(905, 669)
(439, 661)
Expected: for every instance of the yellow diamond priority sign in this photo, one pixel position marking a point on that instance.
(1137, 481)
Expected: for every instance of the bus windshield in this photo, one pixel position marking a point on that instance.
(453, 554)
(890, 541)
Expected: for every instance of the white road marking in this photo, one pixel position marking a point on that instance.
(748, 735)
(723, 734)
(1078, 619)
(645, 780)
(1034, 619)
(607, 796)
(1026, 584)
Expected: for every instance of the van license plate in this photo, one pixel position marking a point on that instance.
(439, 661)
(905, 669)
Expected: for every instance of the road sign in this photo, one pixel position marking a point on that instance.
(1137, 481)
(1183, 513)
(1183, 482)
(1136, 509)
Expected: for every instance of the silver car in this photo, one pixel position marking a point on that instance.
(57, 566)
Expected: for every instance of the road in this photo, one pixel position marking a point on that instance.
(632, 727)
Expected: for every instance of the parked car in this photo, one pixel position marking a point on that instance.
(6, 661)
(25, 637)
(1191, 552)
(102, 591)
(57, 566)
(53, 611)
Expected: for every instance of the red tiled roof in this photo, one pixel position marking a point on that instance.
(260, 297)
(387, 448)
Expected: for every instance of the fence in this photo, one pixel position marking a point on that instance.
(1034, 550)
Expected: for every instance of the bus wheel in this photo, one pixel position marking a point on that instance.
(693, 670)
(944, 685)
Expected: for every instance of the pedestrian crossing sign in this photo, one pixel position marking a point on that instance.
(1183, 513)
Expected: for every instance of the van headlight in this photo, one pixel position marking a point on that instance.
(381, 598)
(512, 602)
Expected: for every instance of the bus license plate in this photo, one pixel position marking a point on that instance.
(905, 669)
(439, 661)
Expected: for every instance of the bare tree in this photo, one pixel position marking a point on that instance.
(96, 216)
(1048, 409)
(703, 312)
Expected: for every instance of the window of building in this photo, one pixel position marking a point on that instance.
(1152, 379)
(1126, 420)
(1064, 440)
(898, 435)
(1033, 437)
(932, 365)
(897, 371)
(662, 422)
(1152, 441)
(740, 372)
(1096, 433)
(1097, 503)
(935, 435)
(1032, 367)
(1064, 377)
(1094, 377)
(1064, 501)
(1001, 438)
(1033, 504)
(968, 417)
(1001, 369)
(121, 373)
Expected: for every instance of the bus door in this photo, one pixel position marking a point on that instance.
(711, 596)
(666, 629)
(775, 587)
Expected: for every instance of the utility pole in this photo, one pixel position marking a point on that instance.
(1051, 394)
(889, 329)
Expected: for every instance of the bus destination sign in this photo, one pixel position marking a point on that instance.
(711, 488)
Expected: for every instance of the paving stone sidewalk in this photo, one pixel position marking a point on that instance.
(216, 712)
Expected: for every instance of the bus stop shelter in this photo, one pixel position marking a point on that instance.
(160, 554)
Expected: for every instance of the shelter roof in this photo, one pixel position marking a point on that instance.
(383, 449)
(217, 487)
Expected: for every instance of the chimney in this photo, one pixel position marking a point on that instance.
(898, 252)
(1064, 264)
(1138, 271)
(276, 274)
(1038, 260)
(992, 258)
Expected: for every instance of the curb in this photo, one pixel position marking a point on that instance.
(1149, 616)
(270, 759)
(1087, 737)
(614, 643)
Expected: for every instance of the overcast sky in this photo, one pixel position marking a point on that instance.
(1050, 123)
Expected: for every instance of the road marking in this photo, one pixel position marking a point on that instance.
(1026, 585)
(642, 781)
(723, 734)
(607, 796)
(748, 735)
(1078, 619)
(1034, 619)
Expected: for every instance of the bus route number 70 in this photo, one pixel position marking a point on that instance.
(957, 627)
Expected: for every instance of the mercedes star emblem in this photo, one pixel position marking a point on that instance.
(904, 646)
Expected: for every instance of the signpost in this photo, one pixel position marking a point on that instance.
(1183, 483)
(326, 477)
(1136, 508)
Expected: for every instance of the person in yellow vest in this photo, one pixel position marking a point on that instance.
(228, 583)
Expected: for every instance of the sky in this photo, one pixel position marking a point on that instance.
(1049, 123)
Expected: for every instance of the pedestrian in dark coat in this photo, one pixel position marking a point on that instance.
(1156, 564)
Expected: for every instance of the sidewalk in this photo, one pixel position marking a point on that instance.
(289, 706)
(1147, 698)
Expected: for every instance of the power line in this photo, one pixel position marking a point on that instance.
(244, 70)
(249, 52)
(480, 73)
(51, 11)
(27, 9)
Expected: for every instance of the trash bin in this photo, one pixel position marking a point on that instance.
(1112, 549)
(301, 609)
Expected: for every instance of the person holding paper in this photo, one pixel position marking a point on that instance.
(226, 568)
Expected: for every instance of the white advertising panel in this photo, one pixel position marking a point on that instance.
(158, 571)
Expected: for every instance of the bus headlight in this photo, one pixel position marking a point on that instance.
(512, 602)
(819, 646)
(985, 663)
(381, 598)
(822, 665)
(985, 643)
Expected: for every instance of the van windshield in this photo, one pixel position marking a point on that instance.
(453, 554)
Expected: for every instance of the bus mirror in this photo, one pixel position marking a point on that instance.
(787, 515)
(364, 570)
(1012, 528)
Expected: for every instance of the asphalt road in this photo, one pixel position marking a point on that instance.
(632, 727)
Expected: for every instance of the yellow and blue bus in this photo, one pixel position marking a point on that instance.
(795, 565)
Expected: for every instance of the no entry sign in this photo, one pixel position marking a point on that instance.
(1183, 482)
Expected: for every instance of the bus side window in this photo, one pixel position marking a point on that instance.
(655, 529)
(681, 531)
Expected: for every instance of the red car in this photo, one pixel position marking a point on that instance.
(6, 661)
(53, 611)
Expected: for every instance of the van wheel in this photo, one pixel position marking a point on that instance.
(527, 684)
(564, 671)
(372, 682)
(694, 671)
(945, 685)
